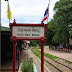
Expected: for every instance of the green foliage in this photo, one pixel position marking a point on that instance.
(61, 23)
(71, 33)
(38, 54)
(52, 25)
(38, 50)
(38, 47)
(50, 33)
(60, 36)
(34, 43)
(63, 13)
(5, 28)
(2, 29)
(27, 66)
(50, 56)
(49, 36)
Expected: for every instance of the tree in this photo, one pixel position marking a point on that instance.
(3, 30)
(34, 43)
(50, 33)
(63, 20)
(49, 36)
(71, 33)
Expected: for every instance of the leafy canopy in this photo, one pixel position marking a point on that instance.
(63, 20)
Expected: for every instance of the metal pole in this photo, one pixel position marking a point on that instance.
(8, 11)
(14, 55)
(18, 60)
(48, 11)
(42, 57)
(47, 20)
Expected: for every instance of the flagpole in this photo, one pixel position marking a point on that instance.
(8, 12)
(48, 11)
(48, 15)
(47, 20)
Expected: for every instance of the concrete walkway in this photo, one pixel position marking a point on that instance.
(64, 55)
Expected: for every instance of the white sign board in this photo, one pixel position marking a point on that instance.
(28, 31)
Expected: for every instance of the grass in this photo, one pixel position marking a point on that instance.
(27, 65)
(57, 59)
(67, 62)
(57, 65)
(37, 54)
(45, 54)
(50, 56)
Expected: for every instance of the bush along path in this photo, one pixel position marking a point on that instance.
(54, 63)
(27, 65)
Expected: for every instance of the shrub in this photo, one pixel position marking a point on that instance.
(27, 65)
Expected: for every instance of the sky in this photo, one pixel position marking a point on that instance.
(26, 11)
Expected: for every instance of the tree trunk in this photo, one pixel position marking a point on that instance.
(68, 47)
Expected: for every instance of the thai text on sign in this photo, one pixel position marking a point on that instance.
(28, 31)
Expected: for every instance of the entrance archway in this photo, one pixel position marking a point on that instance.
(28, 32)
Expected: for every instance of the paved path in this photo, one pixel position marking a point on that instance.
(66, 56)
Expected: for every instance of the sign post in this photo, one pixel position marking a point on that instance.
(14, 51)
(42, 54)
(28, 32)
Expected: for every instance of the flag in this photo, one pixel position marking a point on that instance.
(46, 14)
(9, 12)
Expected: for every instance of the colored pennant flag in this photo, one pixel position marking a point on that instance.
(46, 14)
(9, 12)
